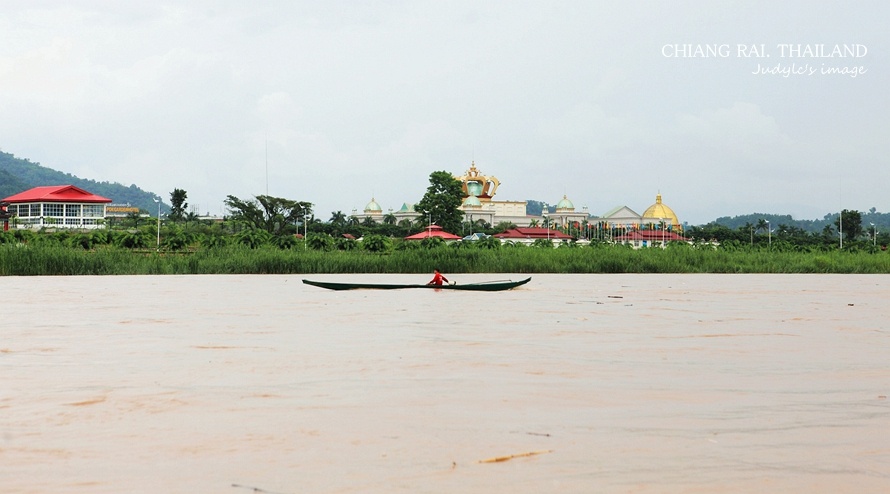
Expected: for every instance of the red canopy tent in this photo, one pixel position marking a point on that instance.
(433, 231)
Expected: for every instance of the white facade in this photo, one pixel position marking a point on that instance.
(57, 215)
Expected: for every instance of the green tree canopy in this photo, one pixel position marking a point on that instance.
(338, 218)
(272, 214)
(178, 204)
(852, 224)
(441, 203)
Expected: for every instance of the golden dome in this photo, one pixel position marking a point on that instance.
(660, 211)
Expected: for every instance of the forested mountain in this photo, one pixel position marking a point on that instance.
(868, 218)
(18, 175)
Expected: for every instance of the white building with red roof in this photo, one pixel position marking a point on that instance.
(58, 206)
(659, 236)
(528, 235)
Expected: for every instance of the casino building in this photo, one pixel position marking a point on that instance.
(656, 216)
(479, 205)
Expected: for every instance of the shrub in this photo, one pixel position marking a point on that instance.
(408, 245)
(177, 239)
(213, 241)
(432, 242)
(134, 240)
(320, 241)
(543, 243)
(346, 244)
(489, 243)
(376, 243)
(285, 241)
(253, 237)
(82, 240)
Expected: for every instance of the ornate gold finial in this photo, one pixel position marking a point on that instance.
(472, 172)
(476, 184)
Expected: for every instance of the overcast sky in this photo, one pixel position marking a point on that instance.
(334, 102)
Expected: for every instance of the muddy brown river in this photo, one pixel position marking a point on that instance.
(570, 384)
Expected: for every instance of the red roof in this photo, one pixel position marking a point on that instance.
(56, 193)
(533, 232)
(650, 236)
(433, 231)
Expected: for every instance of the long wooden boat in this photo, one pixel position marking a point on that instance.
(486, 286)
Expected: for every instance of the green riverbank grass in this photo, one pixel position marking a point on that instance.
(26, 260)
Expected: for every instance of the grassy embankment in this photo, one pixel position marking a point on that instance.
(108, 260)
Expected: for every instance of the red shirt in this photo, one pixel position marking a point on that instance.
(437, 279)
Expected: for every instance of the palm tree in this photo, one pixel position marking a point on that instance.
(762, 225)
(338, 218)
(748, 228)
(134, 217)
(482, 224)
(389, 219)
(504, 226)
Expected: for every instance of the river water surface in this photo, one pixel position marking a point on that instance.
(576, 383)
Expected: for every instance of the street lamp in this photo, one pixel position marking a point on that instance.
(840, 229)
(769, 234)
(661, 221)
(306, 226)
(874, 235)
(158, 200)
(546, 219)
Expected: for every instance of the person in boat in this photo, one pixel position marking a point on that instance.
(438, 279)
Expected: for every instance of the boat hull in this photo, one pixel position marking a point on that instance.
(490, 286)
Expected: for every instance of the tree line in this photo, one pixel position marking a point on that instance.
(273, 219)
(844, 230)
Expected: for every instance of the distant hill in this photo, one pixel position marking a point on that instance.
(18, 175)
(748, 220)
(870, 217)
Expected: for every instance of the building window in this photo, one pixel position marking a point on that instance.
(93, 210)
(72, 221)
(72, 210)
(53, 210)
